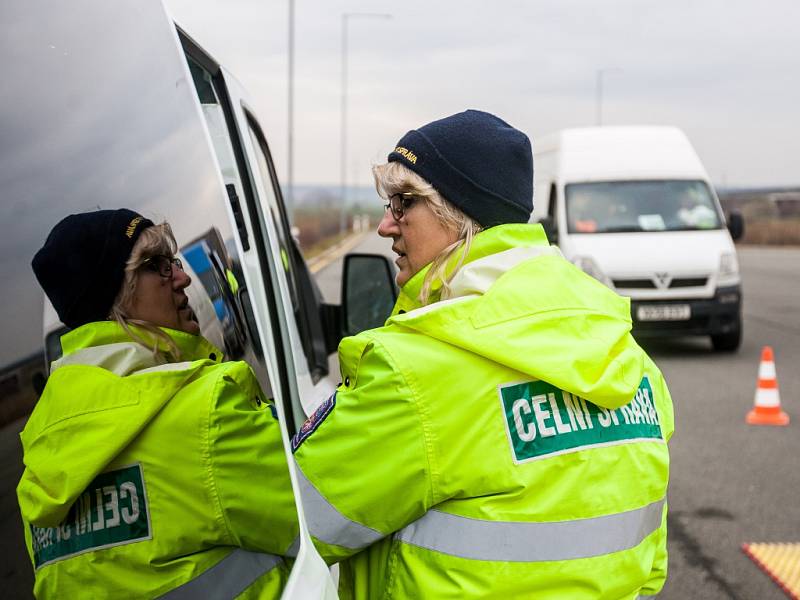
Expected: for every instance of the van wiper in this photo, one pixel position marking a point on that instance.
(697, 228)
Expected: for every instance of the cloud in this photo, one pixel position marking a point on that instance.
(681, 62)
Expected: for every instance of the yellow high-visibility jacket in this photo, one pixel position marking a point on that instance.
(508, 441)
(146, 478)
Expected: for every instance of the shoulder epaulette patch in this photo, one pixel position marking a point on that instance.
(314, 421)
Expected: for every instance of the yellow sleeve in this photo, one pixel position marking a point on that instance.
(363, 456)
(248, 464)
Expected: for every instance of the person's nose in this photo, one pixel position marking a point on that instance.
(388, 227)
(180, 279)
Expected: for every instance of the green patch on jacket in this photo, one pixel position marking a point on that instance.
(542, 420)
(111, 512)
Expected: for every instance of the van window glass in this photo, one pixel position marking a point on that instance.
(208, 256)
(275, 209)
(627, 206)
(215, 120)
(306, 298)
(241, 174)
(213, 293)
(552, 204)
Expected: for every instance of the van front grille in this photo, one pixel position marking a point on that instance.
(683, 282)
(649, 284)
(638, 284)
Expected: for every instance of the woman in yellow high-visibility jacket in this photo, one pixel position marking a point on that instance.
(503, 435)
(146, 456)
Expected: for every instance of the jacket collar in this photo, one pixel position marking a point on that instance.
(489, 241)
(104, 333)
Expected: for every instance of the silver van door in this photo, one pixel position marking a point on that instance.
(285, 312)
(101, 111)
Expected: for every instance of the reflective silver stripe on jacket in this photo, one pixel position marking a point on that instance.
(329, 525)
(530, 542)
(228, 578)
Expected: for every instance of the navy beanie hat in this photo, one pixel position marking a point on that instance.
(81, 266)
(477, 161)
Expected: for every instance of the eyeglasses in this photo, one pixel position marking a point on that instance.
(400, 203)
(162, 265)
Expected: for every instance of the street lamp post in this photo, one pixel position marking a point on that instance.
(290, 86)
(599, 94)
(343, 136)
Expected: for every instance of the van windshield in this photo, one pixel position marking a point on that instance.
(622, 206)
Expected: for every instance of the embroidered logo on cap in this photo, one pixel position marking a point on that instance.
(407, 154)
(132, 226)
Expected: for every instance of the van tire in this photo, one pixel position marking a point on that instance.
(728, 342)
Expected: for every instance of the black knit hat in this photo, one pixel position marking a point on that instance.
(82, 264)
(477, 161)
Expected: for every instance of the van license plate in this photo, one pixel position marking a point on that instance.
(664, 312)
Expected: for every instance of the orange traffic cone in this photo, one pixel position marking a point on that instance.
(767, 409)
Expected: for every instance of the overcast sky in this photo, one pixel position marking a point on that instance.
(725, 71)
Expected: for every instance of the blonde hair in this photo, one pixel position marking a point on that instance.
(393, 178)
(154, 240)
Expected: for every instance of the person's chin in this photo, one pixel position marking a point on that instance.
(188, 323)
(192, 327)
(403, 275)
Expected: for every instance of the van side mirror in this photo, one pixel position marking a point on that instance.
(549, 229)
(736, 224)
(368, 292)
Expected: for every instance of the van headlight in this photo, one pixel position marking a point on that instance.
(588, 265)
(728, 265)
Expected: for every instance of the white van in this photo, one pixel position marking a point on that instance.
(111, 105)
(634, 208)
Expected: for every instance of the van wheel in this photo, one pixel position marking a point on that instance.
(728, 342)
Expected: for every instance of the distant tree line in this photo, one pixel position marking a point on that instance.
(772, 216)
